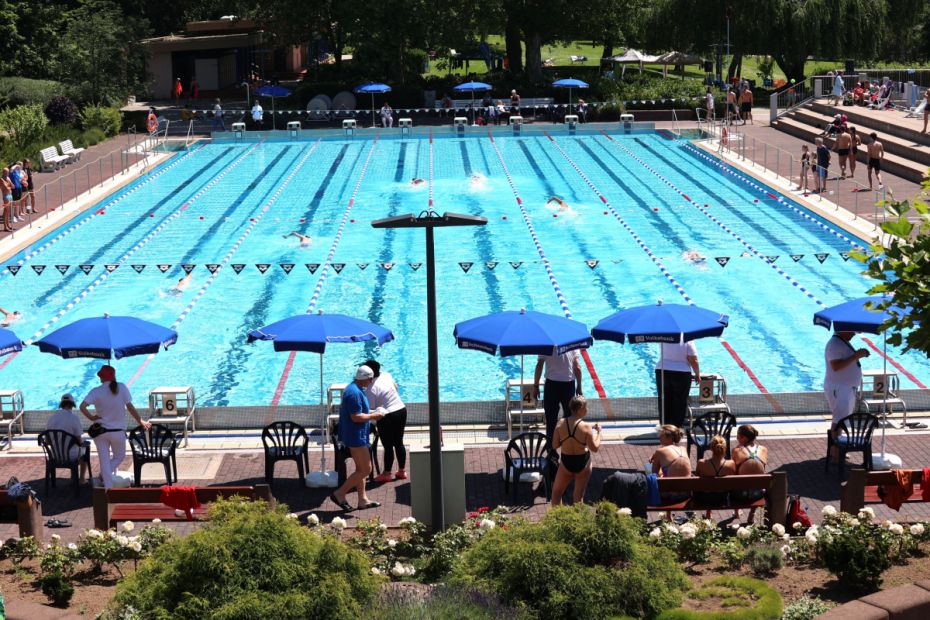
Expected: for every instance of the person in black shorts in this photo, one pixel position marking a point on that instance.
(876, 155)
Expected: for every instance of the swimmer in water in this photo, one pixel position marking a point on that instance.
(478, 180)
(563, 206)
(183, 283)
(9, 317)
(694, 256)
(305, 241)
(416, 181)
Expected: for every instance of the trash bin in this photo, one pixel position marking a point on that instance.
(453, 484)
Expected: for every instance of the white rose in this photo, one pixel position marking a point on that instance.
(398, 570)
(886, 524)
(796, 526)
(743, 533)
(338, 522)
(391, 543)
(828, 510)
(136, 547)
(708, 524)
(785, 550)
(93, 534)
(854, 522)
(156, 521)
(313, 520)
(127, 526)
(406, 521)
(655, 534)
(382, 527)
(122, 540)
(866, 514)
(786, 537)
(896, 528)
(688, 532)
(292, 515)
(811, 537)
(626, 512)
(56, 538)
(486, 524)
(917, 529)
(778, 529)
(375, 570)
(409, 570)
(671, 527)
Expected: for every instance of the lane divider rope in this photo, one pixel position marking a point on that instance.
(658, 263)
(552, 280)
(282, 382)
(762, 257)
(253, 222)
(96, 212)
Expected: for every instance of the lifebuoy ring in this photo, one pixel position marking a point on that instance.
(152, 122)
(725, 137)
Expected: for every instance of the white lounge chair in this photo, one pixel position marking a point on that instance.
(917, 110)
(575, 59)
(67, 148)
(49, 159)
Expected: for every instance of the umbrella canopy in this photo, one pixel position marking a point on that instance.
(107, 336)
(853, 316)
(312, 332)
(471, 87)
(9, 342)
(373, 88)
(522, 333)
(674, 323)
(273, 90)
(570, 83)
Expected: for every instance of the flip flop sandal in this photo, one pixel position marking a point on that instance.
(56, 523)
(346, 507)
(370, 505)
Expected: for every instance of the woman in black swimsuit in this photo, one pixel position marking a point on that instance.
(750, 459)
(717, 466)
(671, 461)
(577, 440)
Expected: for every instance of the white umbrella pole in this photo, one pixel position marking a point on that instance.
(325, 426)
(662, 385)
(321, 378)
(521, 393)
(884, 391)
(373, 124)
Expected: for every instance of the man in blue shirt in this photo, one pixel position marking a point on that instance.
(354, 417)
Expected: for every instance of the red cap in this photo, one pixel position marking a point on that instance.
(107, 373)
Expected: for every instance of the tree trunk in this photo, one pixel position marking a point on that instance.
(735, 63)
(533, 43)
(793, 65)
(608, 49)
(514, 51)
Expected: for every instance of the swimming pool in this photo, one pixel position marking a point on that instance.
(638, 203)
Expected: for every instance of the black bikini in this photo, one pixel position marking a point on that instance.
(754, 494)
(575, 463)
(713, 498)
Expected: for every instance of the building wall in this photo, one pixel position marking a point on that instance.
(162, 80)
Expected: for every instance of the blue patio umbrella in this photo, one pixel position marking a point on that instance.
(273, 90)
(9, 342)
(472, 87)
(372, 88)
(672, 323)
(569, 83)
(522, 333)
(107, 336)
(312, 332)
(854, 316)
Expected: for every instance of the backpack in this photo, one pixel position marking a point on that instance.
(796, 514)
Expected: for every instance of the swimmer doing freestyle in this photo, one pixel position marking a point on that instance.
(305, 241)
(416, 181)
(563, 206)
(9, 317)
(183, 283)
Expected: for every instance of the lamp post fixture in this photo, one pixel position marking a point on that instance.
(430, 220)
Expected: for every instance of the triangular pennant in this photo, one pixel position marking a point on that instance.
(38, 269)
(138, 268)
(516, 264)
(491, 264)
(188, 267)
(722, 260)
(771, 259)
(286, 267)
(237, 267)
(796, 257)
(312, 267)
(62, 269)
(163, 267)
(387, 266)
(415, 266)
(262, 267)
(338, 267)
(822, 256)
(362, 266)
(111, 268)
(212, 267)
(13, 269)
(466, 266)
(845, 256)
(591, 263)
(87, 269)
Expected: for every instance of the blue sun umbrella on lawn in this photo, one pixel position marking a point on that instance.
(273, 90)
(372, 88)
(569, 83)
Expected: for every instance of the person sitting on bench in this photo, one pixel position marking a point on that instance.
(750, 459)
(671, 461)
(717, 466)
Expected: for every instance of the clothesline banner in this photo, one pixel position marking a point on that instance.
(466, 266)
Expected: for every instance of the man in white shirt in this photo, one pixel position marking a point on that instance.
(563, 380)
(678, 361)
(257, 113)
(843, 376)
(65, 419)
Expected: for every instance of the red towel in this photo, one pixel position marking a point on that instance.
(181, 498)
(925, 485)
(896, 494)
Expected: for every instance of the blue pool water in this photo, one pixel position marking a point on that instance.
(251, 194)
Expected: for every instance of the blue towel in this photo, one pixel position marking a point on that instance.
(652, 490)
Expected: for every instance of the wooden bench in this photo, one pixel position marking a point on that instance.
(862, 488)
(28, 515)
(774, 484)
(144, 504)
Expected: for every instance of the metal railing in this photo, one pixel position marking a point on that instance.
(675, 120)
(190, 132)
(783, 101)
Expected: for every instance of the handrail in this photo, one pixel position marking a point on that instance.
(675, 119)
(190, 131)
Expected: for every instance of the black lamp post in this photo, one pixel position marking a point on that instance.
(430, 220)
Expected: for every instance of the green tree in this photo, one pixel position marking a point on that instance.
(902, 268)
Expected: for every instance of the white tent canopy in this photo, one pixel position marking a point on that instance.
(634, 56)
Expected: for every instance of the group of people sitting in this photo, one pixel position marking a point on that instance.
(869, 93)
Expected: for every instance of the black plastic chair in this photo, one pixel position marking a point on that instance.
(58, 445)
(855, 435)
(156, 445)
(285, 441)
(527, 452)
(343, 455)
(705, 426)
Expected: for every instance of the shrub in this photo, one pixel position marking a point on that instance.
(856, 551)
(16, 91)
(19, 549)
(93, 136)
(692, 541)
(56, 587)
(23, 124)
(106, 119)
(250, 561)
(555, 568)
(61, 111)
(765, 561)
(753, 600)
(805, 608)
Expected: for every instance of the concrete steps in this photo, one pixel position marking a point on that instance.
(885, 123)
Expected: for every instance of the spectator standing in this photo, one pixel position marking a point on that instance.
(709, 104)
(823, 165)
(678, 360)
(876, 155)
(842, 145)
(16, 178)
(195, 89)
(926, 109)
(854, 143)
(576, 440)
(384, 398)
(178, 91)
(6, 189)
(563, 381)
(805, 167)
(30, 187)
(514, 103)
(257, 114)
(65, 419)
(745, 104)
(218, 116)
(582, 111)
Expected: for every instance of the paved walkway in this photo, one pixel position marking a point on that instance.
(801, 458)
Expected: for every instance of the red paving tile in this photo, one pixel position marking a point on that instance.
(802, 459)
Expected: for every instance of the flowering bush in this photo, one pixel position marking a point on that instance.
(857, 550)
(693, 540)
